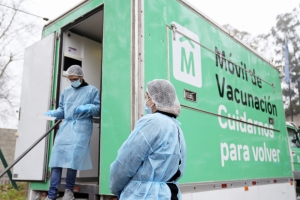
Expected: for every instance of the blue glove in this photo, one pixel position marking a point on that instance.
(83, 108)
(49, 113)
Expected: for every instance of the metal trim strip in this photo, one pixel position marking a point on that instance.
(209, 186)
(214, 114)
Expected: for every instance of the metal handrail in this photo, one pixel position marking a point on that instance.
(29, 149)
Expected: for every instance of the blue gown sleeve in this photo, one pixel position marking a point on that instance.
(130, 156)
(95, 99)
(59, 112)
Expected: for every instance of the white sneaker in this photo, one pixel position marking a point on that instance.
(48, 198)
(68, 195)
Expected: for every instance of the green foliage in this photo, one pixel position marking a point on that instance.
(7, 192)
(286, 92)
(295, 107)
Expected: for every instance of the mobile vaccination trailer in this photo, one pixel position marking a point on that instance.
(294, 142)
(232, 113)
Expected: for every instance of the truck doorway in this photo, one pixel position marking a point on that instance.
(81, 44)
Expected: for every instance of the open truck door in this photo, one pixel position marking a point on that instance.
(35, 101)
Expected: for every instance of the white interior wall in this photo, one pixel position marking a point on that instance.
(89, 52)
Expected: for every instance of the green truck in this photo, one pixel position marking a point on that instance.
(232, 113)
(294, 143)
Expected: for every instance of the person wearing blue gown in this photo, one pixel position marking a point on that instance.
(152, 160)
(78, 104)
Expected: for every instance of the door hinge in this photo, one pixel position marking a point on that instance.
(53, 102)
(19, 113)
(48, 175)
(174, 31)
(57, 36)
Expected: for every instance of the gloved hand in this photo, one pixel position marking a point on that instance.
(83, 108)
(49, 113)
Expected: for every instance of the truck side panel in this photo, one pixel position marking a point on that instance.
(229, 96)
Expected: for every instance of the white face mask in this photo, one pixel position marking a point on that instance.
(148, 110)
(76, 83)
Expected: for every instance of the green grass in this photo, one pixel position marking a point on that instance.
(8, 192)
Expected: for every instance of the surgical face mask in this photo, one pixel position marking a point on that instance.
(148, 110)
(76, 83)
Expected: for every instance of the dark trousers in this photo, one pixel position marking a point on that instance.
(56, 178)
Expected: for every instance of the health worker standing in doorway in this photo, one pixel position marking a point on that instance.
(78, 104)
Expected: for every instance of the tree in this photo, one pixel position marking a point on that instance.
(17, 30)
(271, 46)
(288, 25)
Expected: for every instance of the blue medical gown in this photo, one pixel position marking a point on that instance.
(148, 159)
(72, 142)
